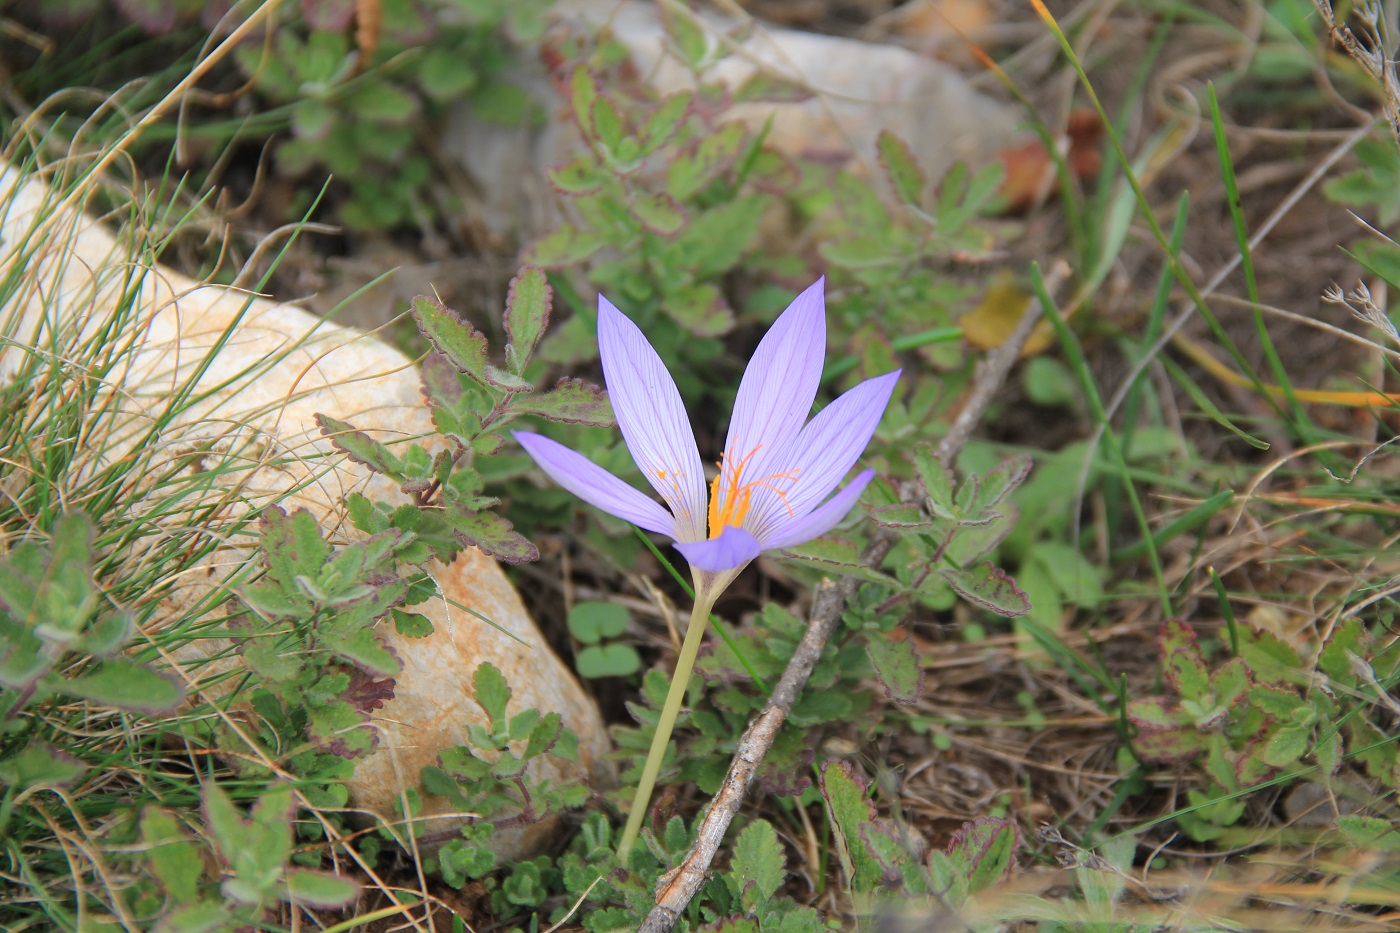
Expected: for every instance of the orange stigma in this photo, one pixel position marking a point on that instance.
(729, 501)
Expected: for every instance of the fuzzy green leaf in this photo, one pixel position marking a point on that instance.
(987, 586)
(571, 401)
(492, 693)
(849, 809)
(527, 315)
(124, 684)
(1287, 745)
(411, 624)
(985, 849)
(903, 171)
(896, 665)
(700, 309)
(320, 889)
(174, 856)
(359, 446)
(463, 346)
(491, 534)
(659, 213)
(758, 866)
(686, 34)
(543, 735)
(566, 246)
(690, 171)
(40, 765)
(842, 556)
(579, 176)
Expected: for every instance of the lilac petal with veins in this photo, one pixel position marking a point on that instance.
(595, 485)
(780, 382)
(653, 420)
(821, 520)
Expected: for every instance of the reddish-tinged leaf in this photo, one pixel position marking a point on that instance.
(897, 666)
(659, 213)
(988, 586)
(572, 401)
(527, 315)
(492, 534)
(903, 171)
(464, 347)
(359, 446)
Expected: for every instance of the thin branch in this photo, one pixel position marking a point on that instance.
(678, 886)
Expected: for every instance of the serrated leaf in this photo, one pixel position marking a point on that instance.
(174, 857)
(491, 534)
(665, 120)
(995, 485)
(1280, 704)
(986, 850)
(607, 122)
(362, 647)
(195, 918)
(591, 622)
(613, 660)
(686, 34)
(543, 736)
(571, 401)
(843, 556)
(411, 624)
(579, 176)
(527, 315)
(849, 809)
(126, 685)
(462, 345)
(320, 888)
(1286, 745)
(359, 446)
(659, 213)
(901, 168)
(716, 239)
(1170, 745)
(771, 88)
(700, 309)
(1369, 832)
(491, 692)
(904, 517)
(690, 171)
(987, 586)
(566, 246)
(896, 665)
(937, 478)
(40, 765)
(758, 867)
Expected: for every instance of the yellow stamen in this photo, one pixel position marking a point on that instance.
(730, 500)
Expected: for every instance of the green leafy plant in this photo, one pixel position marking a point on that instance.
(1258, 716)
(488, 778)
(472, 400)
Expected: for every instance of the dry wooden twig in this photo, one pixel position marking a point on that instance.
(680, 884)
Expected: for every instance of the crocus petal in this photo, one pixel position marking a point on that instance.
(822, 454)
(734, 548)
(653, 420)
(595, 485)
(781, 380)
(822, 519)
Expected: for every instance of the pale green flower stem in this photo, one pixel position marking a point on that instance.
(705, 594)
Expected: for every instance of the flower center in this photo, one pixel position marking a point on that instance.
(730, 496)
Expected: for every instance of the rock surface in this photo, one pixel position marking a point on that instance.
(277, 366)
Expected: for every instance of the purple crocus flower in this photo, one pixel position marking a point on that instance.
(778, 470)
